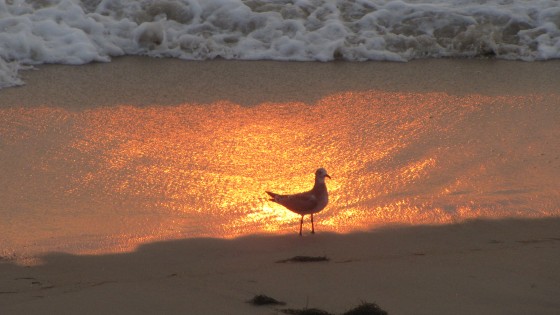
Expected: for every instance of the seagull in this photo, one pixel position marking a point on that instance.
(308, 202)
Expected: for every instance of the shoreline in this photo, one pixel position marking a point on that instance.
(502, 266)
(486, 267)
(145, 81)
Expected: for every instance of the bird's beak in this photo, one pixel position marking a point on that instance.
(328, 176)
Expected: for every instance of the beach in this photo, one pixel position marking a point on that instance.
(483, 267)
(474, 259)
(138, 140)
(142, 81)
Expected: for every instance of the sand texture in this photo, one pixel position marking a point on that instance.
(143, 81)
(499, 267)
(506, 266)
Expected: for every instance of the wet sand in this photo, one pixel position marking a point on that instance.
(477, 267)
(142, 81)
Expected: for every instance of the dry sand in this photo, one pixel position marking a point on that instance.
(499, 267)
(479, 267)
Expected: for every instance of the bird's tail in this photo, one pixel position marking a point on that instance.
(271, 194)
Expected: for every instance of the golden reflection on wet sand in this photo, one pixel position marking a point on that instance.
(201, 170)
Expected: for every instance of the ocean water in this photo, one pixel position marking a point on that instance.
(78, 32)
(110, 178)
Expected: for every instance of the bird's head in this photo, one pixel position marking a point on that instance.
(321, 173)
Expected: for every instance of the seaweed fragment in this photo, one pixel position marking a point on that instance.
(366, 309)
(304, 259)
(305, 311)
(262, 299)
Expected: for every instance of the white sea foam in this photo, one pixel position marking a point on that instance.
(77, 32)
(9, 74)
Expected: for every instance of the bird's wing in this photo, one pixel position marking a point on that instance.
(300, 203)
(271, 194)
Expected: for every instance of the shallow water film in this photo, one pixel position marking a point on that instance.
(109, 178)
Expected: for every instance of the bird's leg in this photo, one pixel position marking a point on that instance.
(312, 227)
(300, 224)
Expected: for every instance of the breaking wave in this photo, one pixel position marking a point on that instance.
(77, 32)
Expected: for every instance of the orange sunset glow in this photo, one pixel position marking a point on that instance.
(135, 174)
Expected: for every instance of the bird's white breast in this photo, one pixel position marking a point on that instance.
(321, 203)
